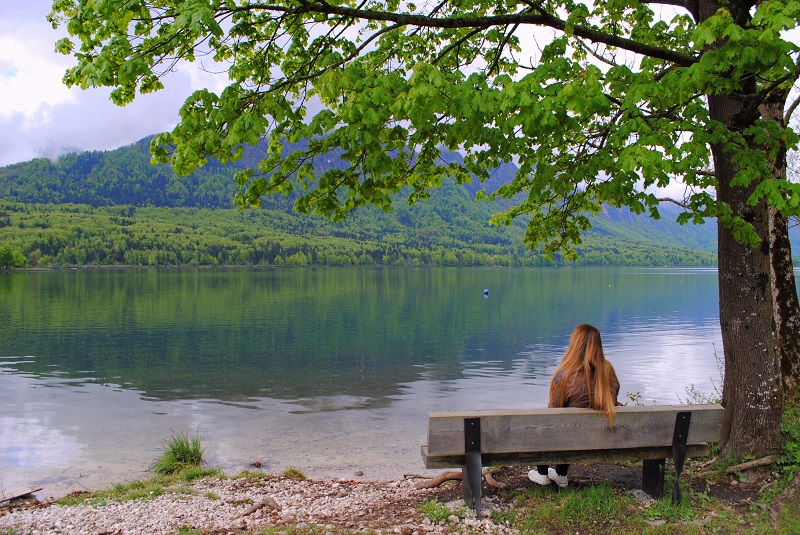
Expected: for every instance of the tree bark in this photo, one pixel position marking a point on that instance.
(752, 388)
(786, 305)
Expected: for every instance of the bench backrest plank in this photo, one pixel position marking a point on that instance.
(568, 429)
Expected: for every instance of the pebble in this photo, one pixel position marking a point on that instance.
(218, 505)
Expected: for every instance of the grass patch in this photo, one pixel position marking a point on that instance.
(789, 520)
(790, 429)
(182, 452)
(142, 489)
(504, 517)
(255, 477)
(292, 529)
(434, 510)
(665, 509)
(596, 508)
(591, 503)
(294, 473)
(146, 489)
(604, 509)
(197, 472)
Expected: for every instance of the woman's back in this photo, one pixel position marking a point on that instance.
(577, 391)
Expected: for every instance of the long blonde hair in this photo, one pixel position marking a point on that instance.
(585, 353)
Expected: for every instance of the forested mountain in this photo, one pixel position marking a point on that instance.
(114, 207)
(125, 176)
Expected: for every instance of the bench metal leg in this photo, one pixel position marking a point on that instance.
(653, 469)
(679, 437)
(653, 477)
(471, 474)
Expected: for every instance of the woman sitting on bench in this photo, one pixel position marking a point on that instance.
(584, 379)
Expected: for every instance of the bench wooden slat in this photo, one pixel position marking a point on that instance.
(563, 457)
(543, 430)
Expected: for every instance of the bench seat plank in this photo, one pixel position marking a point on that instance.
(532, 458)
(516, 431)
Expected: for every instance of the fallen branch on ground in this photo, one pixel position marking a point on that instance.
(764, 461)
(435, 481)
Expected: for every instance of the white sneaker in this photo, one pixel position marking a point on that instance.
(539, 479)
(561, 481)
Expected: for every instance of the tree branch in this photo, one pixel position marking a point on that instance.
(790, 110)
(454, 45)
(318, 73)
(688, 5)
(673, 201)
(540, 19)
(506, 37)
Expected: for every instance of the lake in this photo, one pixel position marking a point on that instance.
(330, 371)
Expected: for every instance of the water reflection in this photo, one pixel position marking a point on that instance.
(318, 369)
(27, 442)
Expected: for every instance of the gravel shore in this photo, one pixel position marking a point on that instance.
(223, 505)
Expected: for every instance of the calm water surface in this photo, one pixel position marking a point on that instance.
(330, 371)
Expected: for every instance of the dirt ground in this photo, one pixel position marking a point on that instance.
(397, 510)
(625, 478)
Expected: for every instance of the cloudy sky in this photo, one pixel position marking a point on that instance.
(40, 116)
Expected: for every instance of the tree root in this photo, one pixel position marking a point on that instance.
(488, 476)
(788, 492)
(435, 481)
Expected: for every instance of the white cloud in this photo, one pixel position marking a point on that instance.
(40, 116)
(29, 80)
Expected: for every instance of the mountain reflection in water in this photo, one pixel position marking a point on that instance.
(327, 370)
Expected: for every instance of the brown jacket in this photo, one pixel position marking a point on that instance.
(577, 395)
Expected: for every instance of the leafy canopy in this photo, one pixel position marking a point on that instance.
(613, 103)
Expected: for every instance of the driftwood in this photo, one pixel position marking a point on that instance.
(268, 502)
(11, 495)
(435, 481)
(764, 461)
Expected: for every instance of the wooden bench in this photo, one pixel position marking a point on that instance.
(528, 437)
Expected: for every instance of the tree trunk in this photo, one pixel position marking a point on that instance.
(786, 307)
(752, 389)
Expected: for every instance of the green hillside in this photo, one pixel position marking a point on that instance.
(115, 208)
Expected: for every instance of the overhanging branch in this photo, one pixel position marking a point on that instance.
(537, 19)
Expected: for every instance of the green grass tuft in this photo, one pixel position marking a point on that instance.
(588, 504)
(294, 473)
(121, 492)
(434, 510)
(181, 453)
